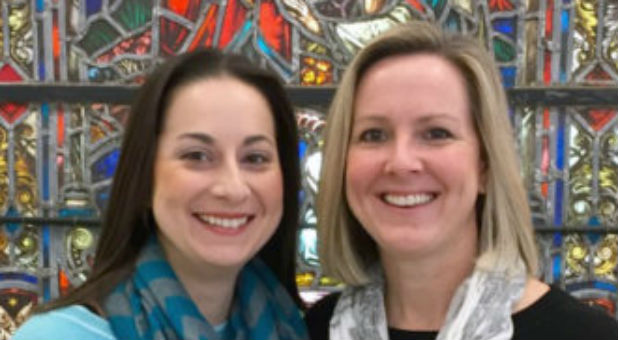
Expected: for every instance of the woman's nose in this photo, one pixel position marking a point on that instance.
(230, 184)
(404, 157)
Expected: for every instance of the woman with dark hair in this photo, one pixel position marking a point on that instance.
(199, 236)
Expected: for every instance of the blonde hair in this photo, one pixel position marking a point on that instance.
(505, 236)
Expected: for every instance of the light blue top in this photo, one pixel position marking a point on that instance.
(74, 322)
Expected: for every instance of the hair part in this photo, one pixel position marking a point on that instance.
(128, 221)
(506, 236)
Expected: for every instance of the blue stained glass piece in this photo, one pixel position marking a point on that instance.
(11, 227)
(46, 290)
(263, 46)
(105, 166)
(604, 286)
(93, 6)
(301, 196)
(41, 69)
(308, 246)
(239, 38)
(558, 202)
(45, 115)
(302, 149)
(557, 239)
(505, 26)
(508, 76)
(563, 76)
(594, 221)
(75, 212)
(19, 277)
(45, 155)
(560, 141)
(102, 197)
(93, 73)
(452, 22)
(557, 267)
(45, 169)
(565, 17)
(45, 237)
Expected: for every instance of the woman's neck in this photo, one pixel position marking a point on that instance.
(211, 288)
(418, 291)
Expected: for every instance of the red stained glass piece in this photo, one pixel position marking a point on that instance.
(275, 30)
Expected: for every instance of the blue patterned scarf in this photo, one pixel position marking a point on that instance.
(153, 304)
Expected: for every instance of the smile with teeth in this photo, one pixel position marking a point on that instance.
(228, 223)
(408, 200)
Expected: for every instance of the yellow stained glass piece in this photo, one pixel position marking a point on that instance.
(373, 6)
(81, 238)
(4, 241)
(606, 257)
(578, 252)
(329, 281)
(576, 255)
(304, 279)
(27, 244)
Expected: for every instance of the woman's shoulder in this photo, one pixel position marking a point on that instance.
(71, 322)
(558, 315)
(318, 316)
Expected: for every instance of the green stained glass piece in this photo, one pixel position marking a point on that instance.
(99, 35)
(504, 51)
(135, 14)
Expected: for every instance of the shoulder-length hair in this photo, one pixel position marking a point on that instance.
(128, 221)
(505, 228)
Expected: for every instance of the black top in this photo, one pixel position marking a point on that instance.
(556, 315)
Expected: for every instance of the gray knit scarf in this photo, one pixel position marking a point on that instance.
(480, 309)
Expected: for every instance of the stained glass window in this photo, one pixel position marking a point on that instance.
(57, 159)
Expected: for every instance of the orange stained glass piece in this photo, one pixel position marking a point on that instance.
(178, 6)
(234, 17)
(544, 189)
(11, 111)
(598, 118)
(206, 32)
(500, 5)
(546, 122)
(60, 126)
(604, 303)
(598, 73)
(63, 282)
(416, 4)
(55, 41)
(275, 29)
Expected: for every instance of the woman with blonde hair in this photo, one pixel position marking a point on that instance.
(421, 209)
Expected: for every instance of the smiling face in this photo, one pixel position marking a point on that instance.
(413, 168)
(218, 191)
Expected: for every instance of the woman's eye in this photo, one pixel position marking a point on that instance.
(196, 156)
(257, 159)
(438, 133)
(373, 135)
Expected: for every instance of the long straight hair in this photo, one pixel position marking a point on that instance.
(128, 221)
(505, 227)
